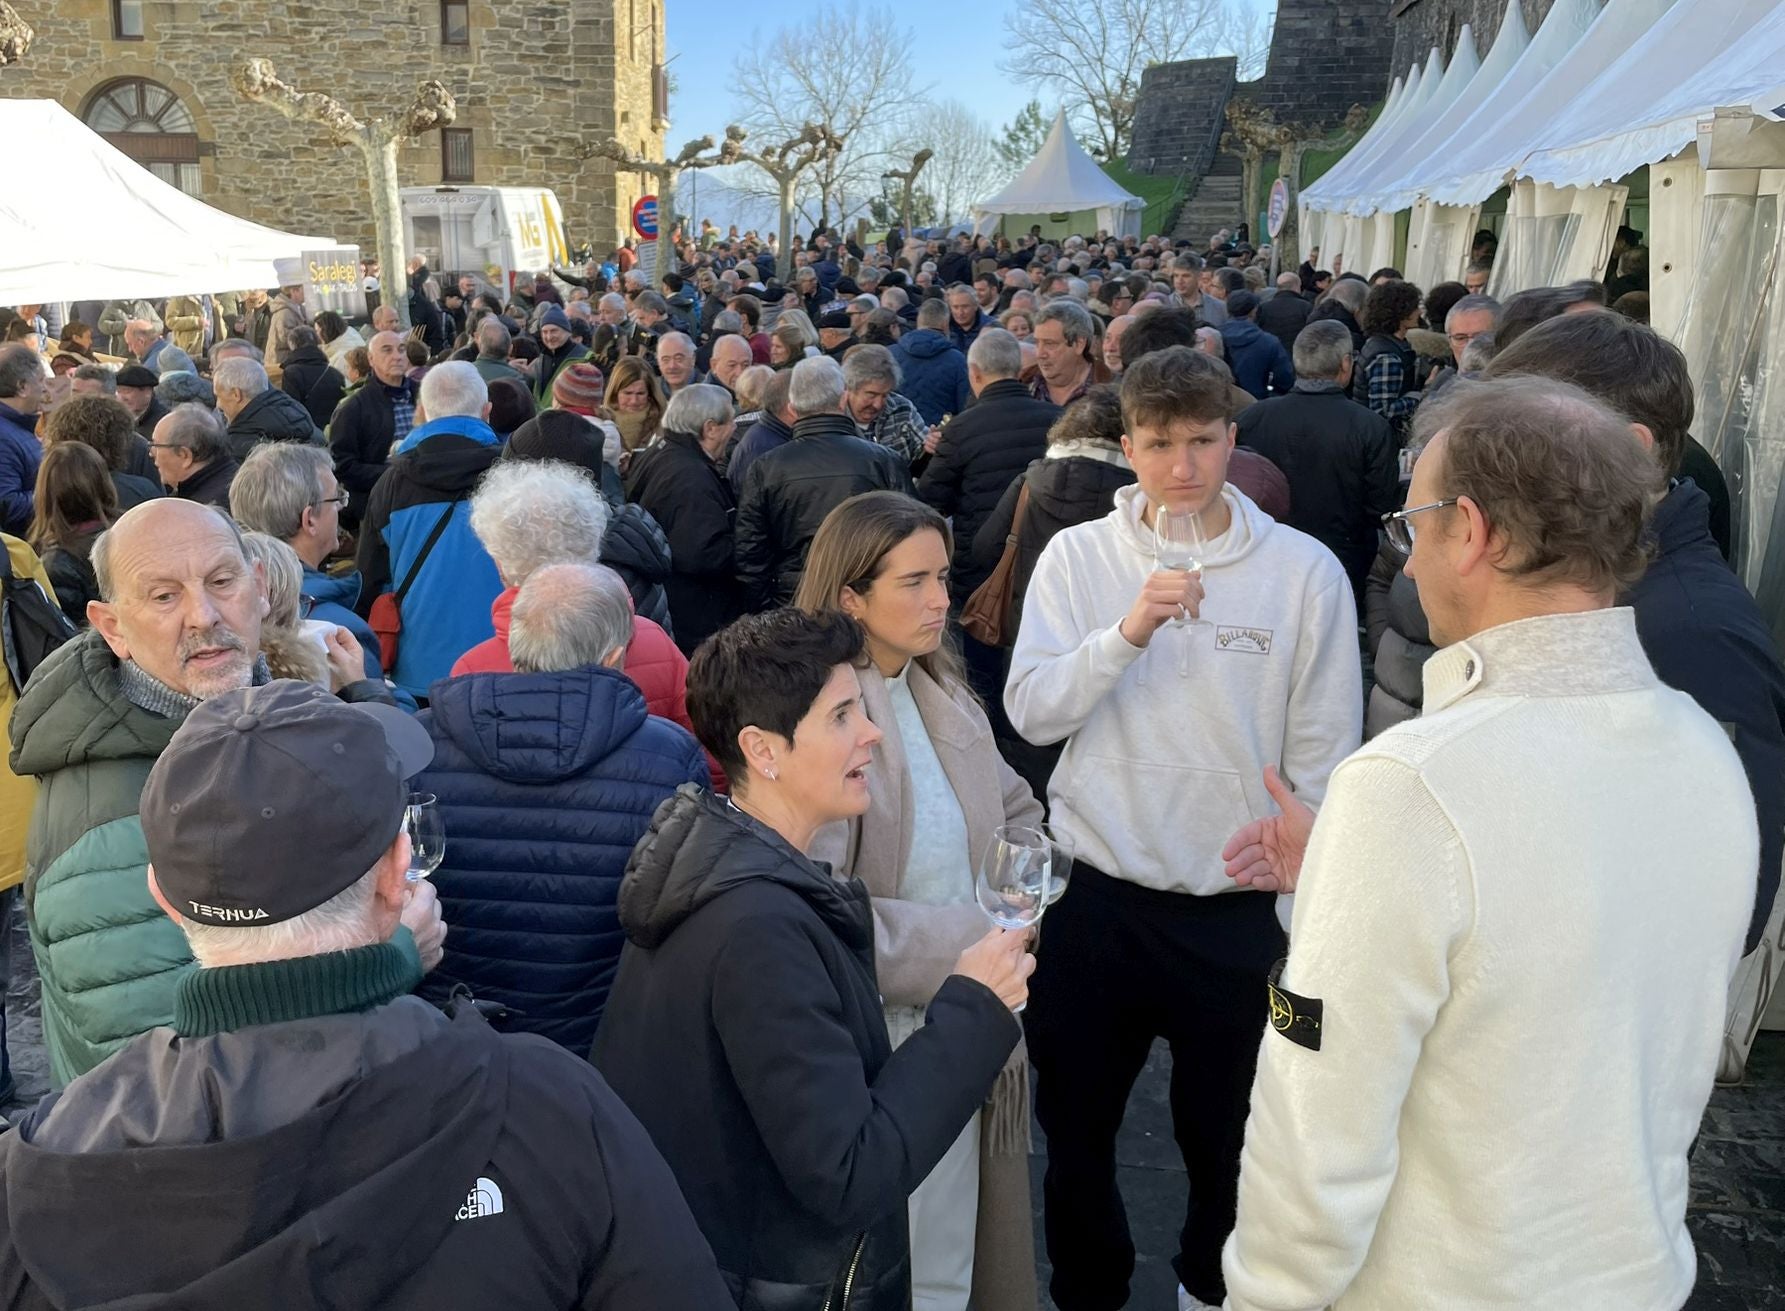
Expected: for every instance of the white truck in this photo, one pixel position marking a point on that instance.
(493, 233)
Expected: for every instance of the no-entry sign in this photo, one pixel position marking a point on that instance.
(644, 217)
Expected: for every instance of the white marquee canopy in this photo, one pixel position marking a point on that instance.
(1063, 179)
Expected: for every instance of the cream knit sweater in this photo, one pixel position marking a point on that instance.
(1520, 913)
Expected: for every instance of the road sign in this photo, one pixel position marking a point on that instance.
(644, 217)
(1279, 207)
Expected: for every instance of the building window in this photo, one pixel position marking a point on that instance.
(127, 20)
(455, 22)
(458, 161)
(148, 123)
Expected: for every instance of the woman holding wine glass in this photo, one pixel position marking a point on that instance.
(943, 807)
(745, 1029)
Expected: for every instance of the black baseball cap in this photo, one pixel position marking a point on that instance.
(271, 800)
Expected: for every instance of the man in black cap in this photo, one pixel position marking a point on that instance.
(306, 1133)
(136, 388)
(835, 334)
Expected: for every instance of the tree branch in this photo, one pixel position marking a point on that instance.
(15, 35)
(433, 106)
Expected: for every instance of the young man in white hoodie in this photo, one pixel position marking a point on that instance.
(1516, 920)
(1168, 728)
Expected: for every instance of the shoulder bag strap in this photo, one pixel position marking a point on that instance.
(427, 546)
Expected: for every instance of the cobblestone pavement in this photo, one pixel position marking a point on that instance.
(1737, 1213)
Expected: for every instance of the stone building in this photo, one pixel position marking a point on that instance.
(1421, 24)
(1325, 57)
(534, 79)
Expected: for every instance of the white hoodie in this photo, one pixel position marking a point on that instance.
(1169, 742)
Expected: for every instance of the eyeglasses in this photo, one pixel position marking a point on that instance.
(168, 446)
(1399, 525)
(339, 498)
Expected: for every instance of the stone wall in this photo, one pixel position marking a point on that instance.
(1326, 56)
(1179, 116)
(1421, 24)
(538, 78)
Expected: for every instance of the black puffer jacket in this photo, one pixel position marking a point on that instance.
(302, 370)
(1063, 490)
(789, 491)
(635, 548)
(686, 493)
(745, 1031)
(1400, 643)
(982, 450)
(271, 416)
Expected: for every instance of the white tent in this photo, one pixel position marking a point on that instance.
(103, 226)
(1061, 180)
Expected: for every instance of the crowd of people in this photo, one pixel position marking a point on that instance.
(1367, 654)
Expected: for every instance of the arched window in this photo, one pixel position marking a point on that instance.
(147, 122)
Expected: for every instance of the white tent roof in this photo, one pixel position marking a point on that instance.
(103, 226)
(1465, 65)
(1508, 48)
(1697, 58)
(1060, 178)
(1341, 179)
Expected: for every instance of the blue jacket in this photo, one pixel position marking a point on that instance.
(935, 374)
(331, 600)
(447, 610)
(1259, 362)
(546, 782)
(20, 454)
(765, 434)
(1705, 636)
(958, 337)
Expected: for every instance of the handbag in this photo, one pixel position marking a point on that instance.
(988, 609)
(386, 615)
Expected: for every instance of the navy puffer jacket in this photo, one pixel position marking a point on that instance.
(545, 783)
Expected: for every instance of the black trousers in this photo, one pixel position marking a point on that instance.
(1117, 966)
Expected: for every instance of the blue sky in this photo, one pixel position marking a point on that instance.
(705, 36)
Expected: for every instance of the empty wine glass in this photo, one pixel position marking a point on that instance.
(1178, 544)
(427, 835)
(1012, 884)
(1059, 861)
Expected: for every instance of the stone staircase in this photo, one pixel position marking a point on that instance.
(1214, 204)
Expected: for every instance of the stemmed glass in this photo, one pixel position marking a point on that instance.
(427, 835)
(1013, 884)
(1060, 857)
(1178, 544)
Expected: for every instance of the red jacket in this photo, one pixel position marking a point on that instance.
(652, 661)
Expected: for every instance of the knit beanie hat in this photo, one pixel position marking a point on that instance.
(578, 387)
(554, 317)
(558, 435)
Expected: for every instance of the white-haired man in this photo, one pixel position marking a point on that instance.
(416, 541)
(178, 622)
(436, 1157)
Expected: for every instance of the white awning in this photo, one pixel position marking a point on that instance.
(1342, 178)
(101, 226)
(1465, 65)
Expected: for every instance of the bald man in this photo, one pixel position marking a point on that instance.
(369, 424)
(731, 356)
(178, 621)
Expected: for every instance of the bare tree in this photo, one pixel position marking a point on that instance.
(1092, 54)
(966, 167)
(808, 150)
(858, 87)
(664, 172)
(15, 35)
(377, 139)
(1246, 35)
(907, 180)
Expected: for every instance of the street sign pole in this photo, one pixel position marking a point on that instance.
(644, 223)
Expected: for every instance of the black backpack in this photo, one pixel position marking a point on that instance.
(31, 624)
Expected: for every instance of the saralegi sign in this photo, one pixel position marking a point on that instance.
(332, 282)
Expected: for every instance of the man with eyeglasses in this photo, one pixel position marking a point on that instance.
(1469, 318)
(1497, 1028)
(290, 492)
(191, 453)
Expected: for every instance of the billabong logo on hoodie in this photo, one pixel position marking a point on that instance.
(485, 1198)
(1253, 641)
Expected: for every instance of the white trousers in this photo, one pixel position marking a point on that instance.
(944, 1210)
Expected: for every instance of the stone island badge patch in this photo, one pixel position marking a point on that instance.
(1296, 1018)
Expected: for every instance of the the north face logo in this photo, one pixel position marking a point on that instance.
(483, 1199)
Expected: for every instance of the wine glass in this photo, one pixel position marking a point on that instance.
(1060, 857)
(1178, 544)
(1013, 885)
(427, 835)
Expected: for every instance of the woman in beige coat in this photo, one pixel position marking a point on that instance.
(938, 789)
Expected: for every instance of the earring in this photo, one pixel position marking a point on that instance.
(771, 774)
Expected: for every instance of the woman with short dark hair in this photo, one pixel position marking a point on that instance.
(745, 1027)
(1385, 379)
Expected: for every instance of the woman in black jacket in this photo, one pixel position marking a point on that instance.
(745, 1028)
(677, 481)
